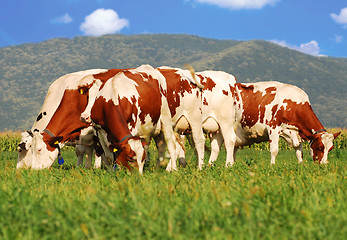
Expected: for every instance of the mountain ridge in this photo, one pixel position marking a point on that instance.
(27, 70)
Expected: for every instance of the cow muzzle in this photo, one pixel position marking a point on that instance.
(21, 147)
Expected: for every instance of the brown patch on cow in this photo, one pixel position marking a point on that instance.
(129, 110)
(251, 105)
(176, 88)
(225, 92)
(205, 102)
(104, 76)
(149, 101)
(110, 117)
(274, 109)
(254, 104)
(208, 83)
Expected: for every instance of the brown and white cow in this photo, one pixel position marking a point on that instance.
(132, 104)
(181, 106)
(220, 124)
(54, 95)
(220, 115)
(271, 110)
(65, 124)
(184, 96)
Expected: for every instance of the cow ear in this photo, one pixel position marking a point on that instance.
(336, 134)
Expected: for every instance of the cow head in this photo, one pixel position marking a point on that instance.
(24, 150)
(44, 151)
(130, 153)
(321, 144)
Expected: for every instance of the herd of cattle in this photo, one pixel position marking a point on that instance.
(118, 111)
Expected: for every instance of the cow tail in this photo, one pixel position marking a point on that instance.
(195, 81)
(238, 106)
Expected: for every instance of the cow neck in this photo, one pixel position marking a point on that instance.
(309, 124)
(108, 116)
(65, 123)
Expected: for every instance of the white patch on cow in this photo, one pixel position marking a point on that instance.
(125, 87)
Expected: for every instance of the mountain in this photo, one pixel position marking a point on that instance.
(26, 71)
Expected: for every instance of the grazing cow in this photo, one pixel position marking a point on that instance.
(51, 103)
(129, 107)
(65, 125)
(272, 110)
(179, 92)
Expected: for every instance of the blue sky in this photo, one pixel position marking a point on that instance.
(316, 27)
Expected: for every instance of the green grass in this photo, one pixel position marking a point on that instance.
(251, 200)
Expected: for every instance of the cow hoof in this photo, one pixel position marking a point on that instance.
(182, 162)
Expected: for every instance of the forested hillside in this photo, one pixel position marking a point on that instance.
(26, 71)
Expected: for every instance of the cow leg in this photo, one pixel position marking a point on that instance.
(235, 151)
(199, 143)
(229, 143)
(273, 138)
(89, 156)
(170, 139)
(180, 149)
(161, 147)
(229, 136)
(79, 150)
(216, 143)
(170, 143)
(299, 153)
(97, 162)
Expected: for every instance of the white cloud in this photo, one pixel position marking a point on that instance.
(103, 21)
(311, 48)
(240, 4)
(341, 18)
(62, 19)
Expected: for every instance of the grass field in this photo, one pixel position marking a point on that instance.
(251, 200)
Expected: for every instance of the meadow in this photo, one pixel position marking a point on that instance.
(251, 200)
